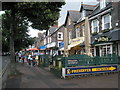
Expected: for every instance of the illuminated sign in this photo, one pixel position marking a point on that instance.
(102, 38)
(87, 70)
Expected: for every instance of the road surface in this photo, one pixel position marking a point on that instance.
(36, 77)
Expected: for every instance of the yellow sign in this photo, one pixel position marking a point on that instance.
(76, 41)
(104, 69)
(96, 69)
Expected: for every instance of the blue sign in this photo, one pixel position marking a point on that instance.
(87, 70)
(61, 44)
(43, 47)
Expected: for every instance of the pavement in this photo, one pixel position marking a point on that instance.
(36, 77)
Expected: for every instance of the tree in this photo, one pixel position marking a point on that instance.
(41, 14)
(21, 37)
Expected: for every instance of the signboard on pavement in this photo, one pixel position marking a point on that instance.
(88, 70)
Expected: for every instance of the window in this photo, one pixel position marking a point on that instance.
(70, 35)
(83, 30)
(77, 32)
(107, 49)
(60, 36)
(95, 27)
(106, 22)
(102, 4)
(50, 39)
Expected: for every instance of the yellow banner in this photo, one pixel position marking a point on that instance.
(76, 41)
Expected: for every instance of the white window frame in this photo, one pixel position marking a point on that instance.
(50, 39)
(106, 49)
(93, 25)
(102, 4)
(61, 35)
(77, 32)
(70, 35)
(103, 23)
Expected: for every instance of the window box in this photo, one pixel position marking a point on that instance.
(95, 33)
(105, 30)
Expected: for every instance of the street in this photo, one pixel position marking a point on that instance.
(36, 77)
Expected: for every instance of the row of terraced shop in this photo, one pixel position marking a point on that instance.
(58, 63)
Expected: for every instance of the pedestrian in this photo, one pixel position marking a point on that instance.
(29, 59)
(36, 59)
(19, 54)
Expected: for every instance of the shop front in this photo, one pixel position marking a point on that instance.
(42, 49)
(106, 43)
(74, 47)
(51, 48)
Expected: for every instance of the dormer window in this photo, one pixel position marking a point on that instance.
(103, 4)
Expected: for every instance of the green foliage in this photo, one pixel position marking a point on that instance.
(21, 37)
(95, 33)
(105, 30)
(41, 14)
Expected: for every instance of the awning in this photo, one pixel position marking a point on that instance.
(53, 44)
(74, 42)
(112, 35)
(43, 47)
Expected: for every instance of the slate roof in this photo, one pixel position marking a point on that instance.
(98, 10)
(87, 7)
(52, 29)
(74, 16)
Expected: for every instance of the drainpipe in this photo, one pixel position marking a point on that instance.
(87, 37)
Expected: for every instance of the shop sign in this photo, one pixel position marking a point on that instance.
(77, 40)
(88, 70)
(53, 44)
(103, 39)
(73, 61)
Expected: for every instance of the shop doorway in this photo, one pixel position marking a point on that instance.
(97, 51)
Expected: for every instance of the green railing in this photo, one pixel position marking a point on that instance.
(84, 60)
(44, 60)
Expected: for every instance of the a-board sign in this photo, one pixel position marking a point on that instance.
(87, 70)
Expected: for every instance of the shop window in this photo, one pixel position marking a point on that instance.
(107, 49)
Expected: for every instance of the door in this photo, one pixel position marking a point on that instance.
(97, 51)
